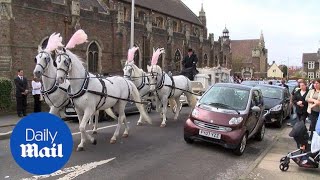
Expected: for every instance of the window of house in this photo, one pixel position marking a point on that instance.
(274, 70)
(311, 65)
(93, 57)
(311, 75)
(317, 74)
(125, 14)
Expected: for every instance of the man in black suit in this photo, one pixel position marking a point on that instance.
(190, 65)
(21, 93)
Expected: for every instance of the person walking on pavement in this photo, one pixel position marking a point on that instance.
(313, 99)
(189, 64)
(294, 117)
(299, 100)
(21, 84)
(36, 92)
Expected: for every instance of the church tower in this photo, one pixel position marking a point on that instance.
(203, 19)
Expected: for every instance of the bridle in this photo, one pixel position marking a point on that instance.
(46, 58)
(67, 62)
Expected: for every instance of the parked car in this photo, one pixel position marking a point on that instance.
(228, 115)
(277, 102)
(131, 107)
(250, 83)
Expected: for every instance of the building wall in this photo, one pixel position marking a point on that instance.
(32, 21)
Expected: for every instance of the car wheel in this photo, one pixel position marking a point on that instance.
(260, 134)
(280, 120)
(188, 139)
(242, 146)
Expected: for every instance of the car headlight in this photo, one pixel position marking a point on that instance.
(195, 113)
(235, 120)
(276, 108)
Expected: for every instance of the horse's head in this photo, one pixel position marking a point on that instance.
(154, 74)
(64, 64)
(128, 69)
(42, 60)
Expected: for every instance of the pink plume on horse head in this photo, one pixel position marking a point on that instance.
(131, 53)
(77, 38)
(156, 55)
(54, 42)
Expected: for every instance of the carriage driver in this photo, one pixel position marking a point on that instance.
(190, 61)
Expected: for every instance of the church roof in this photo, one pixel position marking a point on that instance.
(174, 8)
(243, 49)
(309, 57)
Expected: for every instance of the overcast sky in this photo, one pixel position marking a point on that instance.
(290, 27)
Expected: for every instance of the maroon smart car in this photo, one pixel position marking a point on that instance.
(227, 114)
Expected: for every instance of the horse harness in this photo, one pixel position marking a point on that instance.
(46, 93)
(161, 84)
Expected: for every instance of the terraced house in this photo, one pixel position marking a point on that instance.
(310, 62)
(26, 24)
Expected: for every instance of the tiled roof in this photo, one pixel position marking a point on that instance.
(174, 8)
(243, 49)
(88, 4)
(309, 57)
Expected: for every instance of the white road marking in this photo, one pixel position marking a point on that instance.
(72, 172)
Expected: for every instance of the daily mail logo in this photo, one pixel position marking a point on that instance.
(41, 143)
(32, 150)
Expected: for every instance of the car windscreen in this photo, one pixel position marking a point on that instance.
(271, 92)
(226, 98)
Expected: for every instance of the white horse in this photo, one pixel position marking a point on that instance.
(90, 93)
(168, 89)
(137, 76)
(55, 95)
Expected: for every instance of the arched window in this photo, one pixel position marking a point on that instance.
(175, 26)
(141, 16)
(93, 58)
(216, 63)
(177, 60)
(205, 60)
(158, 22)
(44, 43)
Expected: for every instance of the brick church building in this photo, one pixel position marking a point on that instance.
(27, 24)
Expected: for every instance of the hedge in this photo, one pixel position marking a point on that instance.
(5, 93)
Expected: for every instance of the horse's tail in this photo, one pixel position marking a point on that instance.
(110, 113)
(192, 100)
(137, 98)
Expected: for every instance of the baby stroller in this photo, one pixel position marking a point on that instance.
(303, 156)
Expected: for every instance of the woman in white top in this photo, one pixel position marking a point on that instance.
(36, 92)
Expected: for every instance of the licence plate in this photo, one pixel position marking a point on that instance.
(209, 134)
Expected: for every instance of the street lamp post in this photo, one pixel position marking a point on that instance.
(132, 25)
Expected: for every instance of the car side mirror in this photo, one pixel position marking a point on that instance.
(255, 109)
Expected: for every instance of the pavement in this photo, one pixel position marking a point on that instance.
(267, 167)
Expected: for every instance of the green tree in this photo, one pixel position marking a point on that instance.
(284, 69)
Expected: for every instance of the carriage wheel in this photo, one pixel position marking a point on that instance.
(284, 166)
